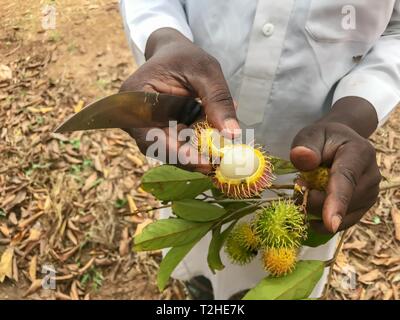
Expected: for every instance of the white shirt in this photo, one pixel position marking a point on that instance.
(286, 61)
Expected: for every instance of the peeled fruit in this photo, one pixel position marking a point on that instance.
(243, 171)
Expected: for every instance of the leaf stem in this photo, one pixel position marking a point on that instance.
(389, 185)
(263, 200)
(330, 263)
(147, 210)
(240, 213)
(282, 186)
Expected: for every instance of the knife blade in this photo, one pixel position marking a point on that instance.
(133, 110)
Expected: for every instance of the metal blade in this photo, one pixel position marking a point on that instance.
(133, 110)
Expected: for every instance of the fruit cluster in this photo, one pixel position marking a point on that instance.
(277, 231)
(242, 171)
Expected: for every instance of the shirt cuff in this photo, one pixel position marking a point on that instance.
(381, 95)
(141, 33)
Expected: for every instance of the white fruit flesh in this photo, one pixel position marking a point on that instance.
(239, 162)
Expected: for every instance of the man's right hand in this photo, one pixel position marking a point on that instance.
(176, 66)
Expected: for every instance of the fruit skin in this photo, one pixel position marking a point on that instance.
(281, 224)
(245, 235)
(248, 187)
(316, 179)
(241, 244)
(279, 261)
(208, 141)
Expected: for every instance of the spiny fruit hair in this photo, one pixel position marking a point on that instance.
(208, 141)
(281, 224)
(245, 236)
(279, 261)
(316, 179)
(240, 246)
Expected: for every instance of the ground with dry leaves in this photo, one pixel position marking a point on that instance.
(66, 200)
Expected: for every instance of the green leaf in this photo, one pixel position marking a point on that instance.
(282, 166)
(295, 286)
(171, 232)
(197, 210)
(171, 183)
(315, 239)
(120, 203)
(216, 243)
(170, 261)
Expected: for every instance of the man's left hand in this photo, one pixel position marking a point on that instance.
(337, 142)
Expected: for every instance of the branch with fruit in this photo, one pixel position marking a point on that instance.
(278, 227)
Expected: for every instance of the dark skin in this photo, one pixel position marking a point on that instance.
(177, 66)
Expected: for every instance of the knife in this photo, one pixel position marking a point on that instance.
(133, 110)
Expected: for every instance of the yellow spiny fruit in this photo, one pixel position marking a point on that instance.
(208, 140)
(241, 244)
(243, 171)
(316, 179)
(279, 261)
(281, 224)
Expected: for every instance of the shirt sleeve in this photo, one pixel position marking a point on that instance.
(377, 77)
(143, 17)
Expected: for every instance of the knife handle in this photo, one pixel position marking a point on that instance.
(191, 112)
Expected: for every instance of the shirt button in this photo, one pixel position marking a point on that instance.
(268, 29)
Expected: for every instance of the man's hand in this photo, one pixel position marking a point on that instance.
(339, 141)
(178, 67)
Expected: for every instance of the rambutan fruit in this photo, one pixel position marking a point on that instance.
(279, 261)
(241, 244)
(243, 171)
(245, 235)
(281, 224)
(208, 140)
(316, 179)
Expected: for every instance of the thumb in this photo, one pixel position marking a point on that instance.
(307, 146)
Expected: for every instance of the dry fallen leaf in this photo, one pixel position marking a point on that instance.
(4, 230)
(395, 212)
(136, 160)
(386, 261)
(72, 237)
(5, 73)
(87, 266)
(141, 226)
(355, 245)
(34, 234)
(74, 291)
(124, 243)
(36, 285)
(24, 223)
(33, 268)
(17, 199)
(78, 107)
(89, 182)
(132, 205)
(6, 264)
(370, 277)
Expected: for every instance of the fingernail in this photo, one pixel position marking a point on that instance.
(336, 222)
(232, 126)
